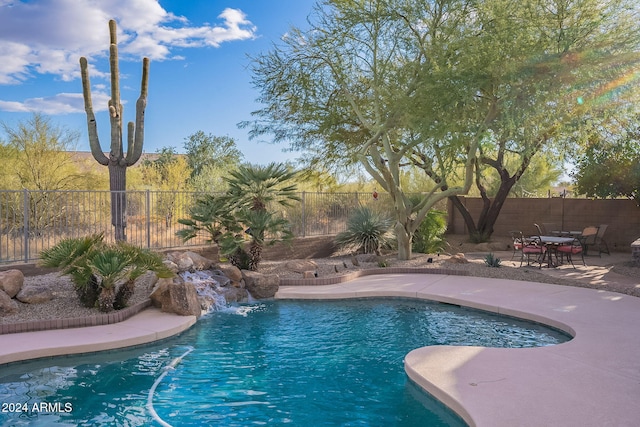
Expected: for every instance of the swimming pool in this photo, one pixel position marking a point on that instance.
(277, 363)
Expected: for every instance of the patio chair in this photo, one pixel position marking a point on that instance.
(600, 240)
(517, 241)
(588, 238)
(533, 246)
(571, 249)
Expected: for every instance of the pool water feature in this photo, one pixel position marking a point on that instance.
(292, 363)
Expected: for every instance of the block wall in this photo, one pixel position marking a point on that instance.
(622, 216)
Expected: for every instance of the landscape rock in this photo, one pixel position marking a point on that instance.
(7, 305)
(171, 265)
(198, 261)
(308, 275)
(220, 278)
(301, 265)
(231, 271)
(11, 282)
(259, 285)
(458, 258)
(148, 280)
(173, 295)
(34, 294)
(233, 294)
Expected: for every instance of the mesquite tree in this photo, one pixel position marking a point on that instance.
(117, 160)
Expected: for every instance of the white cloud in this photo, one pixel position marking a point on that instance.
(47, 37)
(62, 103)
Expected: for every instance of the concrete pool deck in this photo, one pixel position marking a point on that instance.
(592, 380)
(145, 327)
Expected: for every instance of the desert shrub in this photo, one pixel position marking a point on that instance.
(367, 232)
(429, 237)
(492, 261)
(103, 274)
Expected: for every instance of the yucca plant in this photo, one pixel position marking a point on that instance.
(367, 232)
(103, 275)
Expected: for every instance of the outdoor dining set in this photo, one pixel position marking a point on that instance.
(552, 245)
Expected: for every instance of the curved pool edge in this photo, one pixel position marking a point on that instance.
(592, 380)
(147, 326)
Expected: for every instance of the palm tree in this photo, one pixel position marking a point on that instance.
(103, 275)
(245, 211)
(254, 189)
(256, 186)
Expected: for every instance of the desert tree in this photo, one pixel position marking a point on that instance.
(546, 70)
(346, 91)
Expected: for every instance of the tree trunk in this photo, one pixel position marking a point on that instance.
(490, 212)
(404, 242)
(118, 186)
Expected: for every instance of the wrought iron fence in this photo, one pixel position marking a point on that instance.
(31, 221)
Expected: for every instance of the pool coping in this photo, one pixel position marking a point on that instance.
(147, 326)
(591, 380)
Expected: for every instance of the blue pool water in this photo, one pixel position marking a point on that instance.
(296, 363)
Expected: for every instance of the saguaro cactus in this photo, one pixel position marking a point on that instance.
(117, 160)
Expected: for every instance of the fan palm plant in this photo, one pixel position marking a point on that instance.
(244, 211)
(256, 186)
(103, 275)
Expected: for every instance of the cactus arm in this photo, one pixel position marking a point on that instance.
(94, 142)
(135, 143)
(115, 107)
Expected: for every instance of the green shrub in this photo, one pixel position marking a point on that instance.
(367, 232)
(491, 261)
(429, 237)
(103, 274)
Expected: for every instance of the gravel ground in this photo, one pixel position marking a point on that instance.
(66, 305)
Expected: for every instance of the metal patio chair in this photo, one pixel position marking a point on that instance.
(571, 249)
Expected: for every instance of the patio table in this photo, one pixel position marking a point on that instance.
(552, 243)
(573, 233)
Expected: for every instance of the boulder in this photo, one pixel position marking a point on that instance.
(260, 285)
(232, 294)
(34, 294)
(301, 265)
(220, 278)
(182, 262)
(7, 305)
(309, 275)
(231, 271)
(148, 280)
(458, 258)
(171, 265)
(11, 282)
(173, 295)
(198, 261)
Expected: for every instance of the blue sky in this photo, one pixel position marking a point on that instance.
(198, 80)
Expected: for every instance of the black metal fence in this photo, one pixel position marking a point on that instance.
(31, 221)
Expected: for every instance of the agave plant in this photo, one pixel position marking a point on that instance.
(366, 232)
(103, 275)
